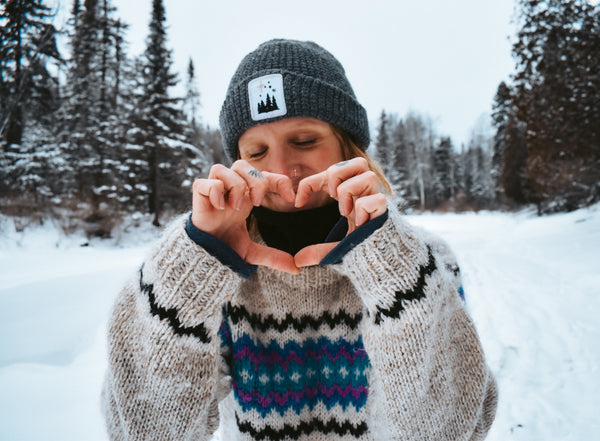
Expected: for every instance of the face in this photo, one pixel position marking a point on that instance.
(296, 147)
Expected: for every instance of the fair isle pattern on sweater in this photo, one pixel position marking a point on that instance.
(275, 378)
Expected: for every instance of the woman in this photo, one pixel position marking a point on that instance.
(294, 302)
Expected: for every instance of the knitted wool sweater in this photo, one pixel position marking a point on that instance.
(373, 344)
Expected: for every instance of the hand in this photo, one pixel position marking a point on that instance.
(222, 203)
(357, 190)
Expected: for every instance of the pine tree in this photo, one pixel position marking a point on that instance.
(33, 171)
(443, 173)
(514, 178)
(28, 100)
(420, 138)
(27, 88)
(382, 144)
(114, 111)
(191, 104)
(93, 115)
(172, 162)
(482, 190)
(502, 110)
(556, 96)
(479, 164)
(469, 161)
(399, 174)
(459, 176)
(79, 114)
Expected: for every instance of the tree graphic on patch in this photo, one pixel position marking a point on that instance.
(269, 106)
(266, 97)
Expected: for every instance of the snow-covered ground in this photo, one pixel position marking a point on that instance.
(532, 286)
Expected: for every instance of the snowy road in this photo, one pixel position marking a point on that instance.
(532, 286)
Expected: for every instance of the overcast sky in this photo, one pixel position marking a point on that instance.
(444, 58)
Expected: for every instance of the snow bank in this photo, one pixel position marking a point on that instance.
(532, 285)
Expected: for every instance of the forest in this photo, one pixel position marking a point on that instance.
(91, 135)
(546, 147)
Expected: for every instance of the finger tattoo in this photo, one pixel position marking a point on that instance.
(341, 164)
(256, 174)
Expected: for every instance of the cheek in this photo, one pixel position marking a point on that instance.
(325, 158)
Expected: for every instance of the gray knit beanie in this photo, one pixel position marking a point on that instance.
(288, 78)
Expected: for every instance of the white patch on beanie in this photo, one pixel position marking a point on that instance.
(266, 97)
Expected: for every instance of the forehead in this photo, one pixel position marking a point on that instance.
(286, 127)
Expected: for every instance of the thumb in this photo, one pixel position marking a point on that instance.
(273, 258)
(313, 254)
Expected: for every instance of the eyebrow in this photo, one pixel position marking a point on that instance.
(304, 127)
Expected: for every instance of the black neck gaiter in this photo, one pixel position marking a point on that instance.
(290, 232)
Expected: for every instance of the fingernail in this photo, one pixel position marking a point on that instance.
(343, 210)
(239, 204)
(331, 190)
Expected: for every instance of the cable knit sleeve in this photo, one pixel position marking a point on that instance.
(425, 351)
(166, 370)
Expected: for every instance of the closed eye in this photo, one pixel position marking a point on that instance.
(304, 143)
(257, 154)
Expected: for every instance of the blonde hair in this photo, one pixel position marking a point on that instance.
(351, 150)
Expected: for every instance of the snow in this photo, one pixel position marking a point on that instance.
(532, 287)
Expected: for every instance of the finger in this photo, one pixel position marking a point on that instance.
(211, 189)
(313, 254)
(369, 207)
(234, 186)
(358, 186)
(282, 185)
(255, 180)
(310, 185)
(266, 256)
(340, 172)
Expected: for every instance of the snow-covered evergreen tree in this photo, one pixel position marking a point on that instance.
(514, 178)
(556, 95)
(383, 152)
(477, 161)
(81, 112)
(459, 169)
(401, 166)
(501, 112)
(97, 105)
(443, 172)
(28, 99)
(420, 137)
(27, 88)
(191, 102)
(172, 161)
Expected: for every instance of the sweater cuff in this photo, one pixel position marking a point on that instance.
(219, 250)
(353, 239)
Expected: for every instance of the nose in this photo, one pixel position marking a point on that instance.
(281, 163)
